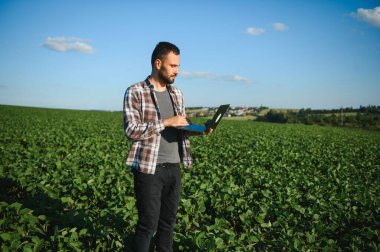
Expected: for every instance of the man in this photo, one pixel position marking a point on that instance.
(153, 111)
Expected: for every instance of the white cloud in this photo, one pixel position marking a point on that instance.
(214, 76)
(255, 31)
(68, 44)
(371, 16)
(190, 75)
(240, 78)
(280, 26)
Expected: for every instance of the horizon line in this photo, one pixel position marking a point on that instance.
(112, 110)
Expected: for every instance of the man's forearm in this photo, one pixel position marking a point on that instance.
(140, 131)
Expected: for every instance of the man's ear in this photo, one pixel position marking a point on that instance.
(158, 64)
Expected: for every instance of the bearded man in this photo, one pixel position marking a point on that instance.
(153, 111)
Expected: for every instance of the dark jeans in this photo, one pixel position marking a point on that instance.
(157, 199)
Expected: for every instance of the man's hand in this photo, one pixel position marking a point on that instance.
(193, 133)
(176, 121)
(208, 131)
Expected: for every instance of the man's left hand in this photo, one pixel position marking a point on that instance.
(208, 131)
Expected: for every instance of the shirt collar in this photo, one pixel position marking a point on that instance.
(147, 81)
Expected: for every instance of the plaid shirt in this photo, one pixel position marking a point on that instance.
(143, 124)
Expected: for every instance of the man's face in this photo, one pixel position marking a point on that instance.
(169, 68)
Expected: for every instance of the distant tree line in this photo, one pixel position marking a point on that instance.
(365, 117)
(362, 109)
(193, 108)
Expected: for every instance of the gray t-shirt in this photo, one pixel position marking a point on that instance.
(168, 151)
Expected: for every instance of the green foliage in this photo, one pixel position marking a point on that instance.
(254, 186)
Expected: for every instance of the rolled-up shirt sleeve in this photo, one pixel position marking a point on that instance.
(136, 128)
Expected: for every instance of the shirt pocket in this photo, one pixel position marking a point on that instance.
(149, 112)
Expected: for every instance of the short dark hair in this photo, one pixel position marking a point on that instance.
(162, 49)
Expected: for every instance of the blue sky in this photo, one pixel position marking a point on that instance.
(281, 54)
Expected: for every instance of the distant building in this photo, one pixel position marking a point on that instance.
(200, 114)
(238, 112)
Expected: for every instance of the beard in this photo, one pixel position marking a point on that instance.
(164, 78)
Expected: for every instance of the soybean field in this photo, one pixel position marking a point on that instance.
(64, 186)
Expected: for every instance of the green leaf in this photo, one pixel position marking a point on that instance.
(199, 239)
(5, 236)
(16, 206)
(82, 231)
(67, 200)
(76, 244)
(230, 208)
(219, 243)
(266, 225)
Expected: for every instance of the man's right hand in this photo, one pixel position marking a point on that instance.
(176, 121)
